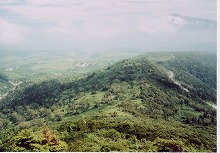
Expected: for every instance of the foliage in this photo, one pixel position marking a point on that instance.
(135, 134)
(196, 71)
(27, 141)
(23, 141)
(132, 105)
(164, 145)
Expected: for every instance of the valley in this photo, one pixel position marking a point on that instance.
(39, 66)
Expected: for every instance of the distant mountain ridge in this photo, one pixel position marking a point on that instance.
(192, 22)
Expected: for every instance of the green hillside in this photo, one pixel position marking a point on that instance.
(133, 105)
(195, 71)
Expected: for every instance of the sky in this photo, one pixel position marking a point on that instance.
(101, 25)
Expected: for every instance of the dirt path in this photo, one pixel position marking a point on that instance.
(211, 104)
(110, 62)
(171, 76)
(172, 55)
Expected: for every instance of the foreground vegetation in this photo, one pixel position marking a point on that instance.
(132, 105)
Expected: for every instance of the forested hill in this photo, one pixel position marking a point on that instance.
(133, 105)
(195, 71)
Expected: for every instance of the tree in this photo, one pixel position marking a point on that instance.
(52, 142)
(164, 145)
(27, 141)
(24, 141)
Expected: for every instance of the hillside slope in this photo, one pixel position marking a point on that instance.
(132, 105)
(196, 71)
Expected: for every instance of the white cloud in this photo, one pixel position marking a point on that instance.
(83, 21)
(3, 2)
(158, 25)
(11, 33)
(40, 2)
(88, 29)
(178, 21)
(59, 10)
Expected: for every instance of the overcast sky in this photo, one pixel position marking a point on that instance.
(107, 24)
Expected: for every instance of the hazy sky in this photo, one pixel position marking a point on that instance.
(106, 24)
